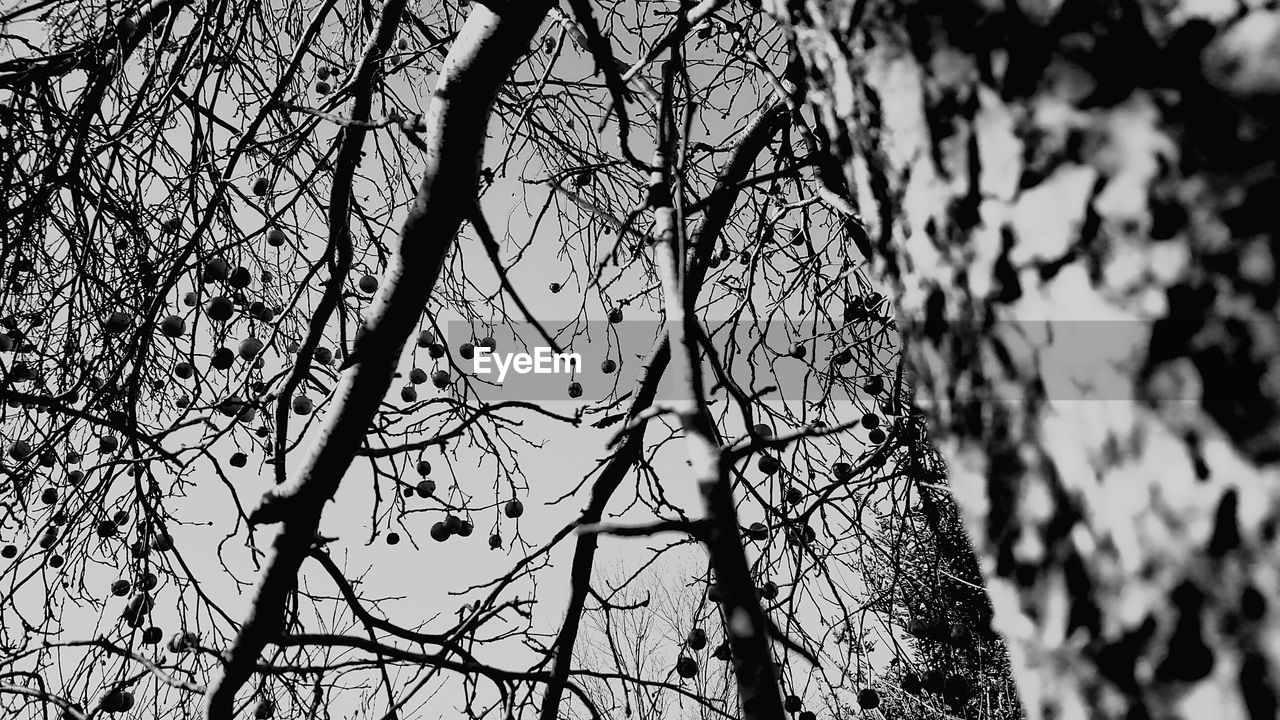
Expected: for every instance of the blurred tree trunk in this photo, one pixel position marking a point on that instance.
(1073, 208)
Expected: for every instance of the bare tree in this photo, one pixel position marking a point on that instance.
(637, 635)
(248, 251)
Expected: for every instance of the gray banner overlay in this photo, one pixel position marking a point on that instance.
(1077, 360)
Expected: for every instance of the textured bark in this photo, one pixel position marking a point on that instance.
(480, 60)
(1081, 192)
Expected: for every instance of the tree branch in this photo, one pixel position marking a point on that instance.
(487, 48)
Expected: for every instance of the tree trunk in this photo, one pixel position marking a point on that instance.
(1074, 214)
(726, 193)
(480, 60)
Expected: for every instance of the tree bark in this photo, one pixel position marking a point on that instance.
(746, 627)
(725, 193)
(1067, 199)
(480, 60)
